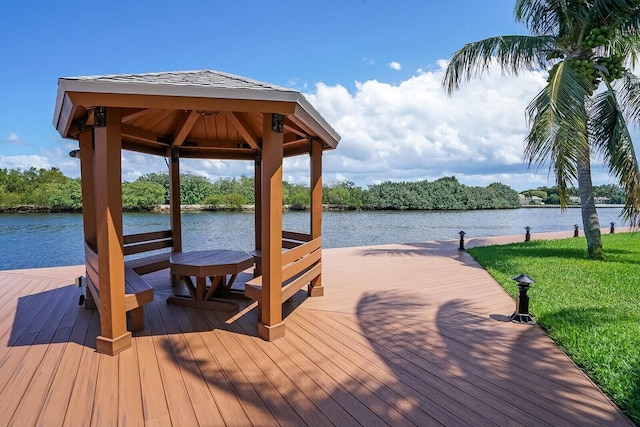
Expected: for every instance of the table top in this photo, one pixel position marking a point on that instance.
(210, 263)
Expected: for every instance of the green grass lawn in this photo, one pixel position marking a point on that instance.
(591, 309)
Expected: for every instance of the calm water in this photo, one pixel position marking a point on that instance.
(44, 240)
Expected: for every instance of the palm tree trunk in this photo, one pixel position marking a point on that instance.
(590, 222)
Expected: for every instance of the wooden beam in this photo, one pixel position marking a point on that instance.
(155, 150)
(291, 126)
(184, 128)
(271, 326)
(213, 153)
(244, 128)
(179, 102)
(114, 336)
(141, 134)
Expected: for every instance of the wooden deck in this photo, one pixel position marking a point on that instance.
(405, 335)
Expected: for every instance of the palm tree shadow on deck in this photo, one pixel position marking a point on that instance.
(469, 364)
(446, 248)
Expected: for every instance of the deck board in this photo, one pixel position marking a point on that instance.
(405, 335)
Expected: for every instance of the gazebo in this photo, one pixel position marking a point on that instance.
(192, 114)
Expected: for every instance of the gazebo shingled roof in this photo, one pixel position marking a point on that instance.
(187, 114)
(222, 109)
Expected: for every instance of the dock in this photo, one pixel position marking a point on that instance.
(406, 334)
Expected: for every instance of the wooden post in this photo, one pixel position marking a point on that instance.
(114, 336)
(316, 289)
(270, 325)
(87, 156)
(174, 206)
(258, 208)
(174, 200)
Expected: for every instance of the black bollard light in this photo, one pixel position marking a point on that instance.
(612, 230)
(527, 235)
(521, 315)
(461, 233)
(575, 230)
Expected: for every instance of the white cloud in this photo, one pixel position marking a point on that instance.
(24, 162)
(413, 130)
(395, 65)
(14, 139)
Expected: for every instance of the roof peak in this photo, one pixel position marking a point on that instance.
(203, 78)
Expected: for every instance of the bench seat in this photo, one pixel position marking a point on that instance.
(137, 293)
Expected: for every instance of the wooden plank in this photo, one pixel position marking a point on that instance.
(32, 403)
(277, 403)
(154, 403)
(180, 410)
(145, 237)
(15, 298)
(200, 398)
(81, 403)
(35, 367)
(247, 395)
(57, 400)
(147, 246)
(225, 402)
(33, 329)
(296, 388)
(300, 251)
(129, 394)
(105, 405)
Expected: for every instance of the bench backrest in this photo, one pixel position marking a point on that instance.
(146, 242)
(302, 263)
(93, 279)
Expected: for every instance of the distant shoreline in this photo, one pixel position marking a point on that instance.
(251, 208)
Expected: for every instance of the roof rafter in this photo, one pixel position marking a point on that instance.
(244, 128)
(137, 114)
(184, 128)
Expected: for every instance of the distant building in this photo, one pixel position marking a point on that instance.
(533, 200)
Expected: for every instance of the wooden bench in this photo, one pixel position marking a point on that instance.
(137, 291)
(147, 242)
(290, 240)
(300, 265)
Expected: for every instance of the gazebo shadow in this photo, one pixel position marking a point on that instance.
(48, 317)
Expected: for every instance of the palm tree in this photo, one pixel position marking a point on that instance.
(591, 95)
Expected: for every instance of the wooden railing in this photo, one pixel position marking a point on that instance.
(300, 265)
(147, 242)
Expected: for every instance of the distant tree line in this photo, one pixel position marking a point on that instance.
(50, 189)
(607, 193)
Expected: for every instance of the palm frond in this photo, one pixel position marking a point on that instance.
(612, 139)
(628, 95)
(513, 53)
(556, 17)
(558, 133)
(607, 11)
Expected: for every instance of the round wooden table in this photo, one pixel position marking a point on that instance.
(214, 264)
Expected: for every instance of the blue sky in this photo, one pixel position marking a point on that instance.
(372, 68)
